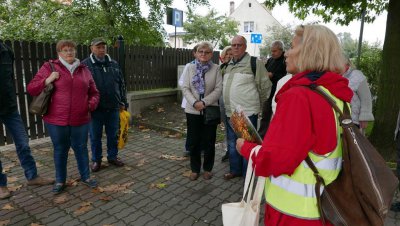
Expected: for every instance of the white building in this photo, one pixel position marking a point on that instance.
(254, 18)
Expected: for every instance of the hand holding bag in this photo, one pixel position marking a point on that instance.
(247, 211)
(41, 102)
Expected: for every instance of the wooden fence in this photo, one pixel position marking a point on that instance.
(144, 68)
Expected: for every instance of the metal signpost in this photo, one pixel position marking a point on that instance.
(256, 39)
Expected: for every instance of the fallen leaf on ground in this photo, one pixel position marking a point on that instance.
(36, 224)
(4, 223)
(106, 198)
(145, 130)
(97, 190)
(160, 110)
(172, 157)
(72, 182)
(127, 168)
(187, 173)
(147, 137)
(141, 162)
(7, 206)
(158, 185)
(38, 164)
(116, 187)
(176, 135)
(61, 199)
(7, 167)
(12, 179)
(85, 206)
(142, 127)
(12, 187)
(167, 178)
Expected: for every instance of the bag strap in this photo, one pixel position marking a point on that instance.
(320, 181)
(253, 63)
(52, 66)
(342, 115)
(345, 114)
(249, 181)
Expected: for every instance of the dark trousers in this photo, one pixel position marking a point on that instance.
(200, 137)
(266, 117)
(398, 155)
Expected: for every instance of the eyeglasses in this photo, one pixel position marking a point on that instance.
(236, 45)
(203, 52)
(66, 51)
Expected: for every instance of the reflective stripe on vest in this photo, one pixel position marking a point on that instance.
(295, 195)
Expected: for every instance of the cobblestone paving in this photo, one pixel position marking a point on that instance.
(147, 191)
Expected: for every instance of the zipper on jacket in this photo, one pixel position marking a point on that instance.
(70, 101)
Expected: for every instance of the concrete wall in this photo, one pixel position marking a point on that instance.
(139, 100)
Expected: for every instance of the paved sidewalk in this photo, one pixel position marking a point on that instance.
(149, 190)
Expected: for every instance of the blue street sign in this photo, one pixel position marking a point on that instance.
(256, 38)
(177, 18)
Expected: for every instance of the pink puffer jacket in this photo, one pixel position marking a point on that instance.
(74, 96)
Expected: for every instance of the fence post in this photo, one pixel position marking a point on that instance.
(121, 54)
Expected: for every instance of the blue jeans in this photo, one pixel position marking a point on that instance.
(237, 164)
(64, 137)
(110, 120)
(16, 128)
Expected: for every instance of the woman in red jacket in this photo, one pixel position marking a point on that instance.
(68, 115)
(304, 125)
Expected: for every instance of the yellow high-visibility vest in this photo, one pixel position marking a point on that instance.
(295, 195)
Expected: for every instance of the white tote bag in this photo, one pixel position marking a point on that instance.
(247, 211)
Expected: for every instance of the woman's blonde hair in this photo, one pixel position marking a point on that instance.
(225, 50)
(319, 49)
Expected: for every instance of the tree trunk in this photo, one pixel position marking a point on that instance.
(388, 102)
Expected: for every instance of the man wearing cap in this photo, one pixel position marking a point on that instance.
(110, 82)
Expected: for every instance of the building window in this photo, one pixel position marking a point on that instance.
(249, 26)
(249, 4)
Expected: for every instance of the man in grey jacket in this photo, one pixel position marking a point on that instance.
(243, 88)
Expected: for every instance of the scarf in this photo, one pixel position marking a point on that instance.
(70, 67)
(198, 78)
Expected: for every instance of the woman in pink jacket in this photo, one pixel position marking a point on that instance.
(67, 120)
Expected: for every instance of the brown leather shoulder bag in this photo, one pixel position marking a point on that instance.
(363, 191)
(41, 102)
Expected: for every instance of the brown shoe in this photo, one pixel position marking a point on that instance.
(40, 181)
(207, 175)
(116, 162)
(193, 176)
(4, 192)
(96, 166)
(229, 176)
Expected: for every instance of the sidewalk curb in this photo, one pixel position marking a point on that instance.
(158, 127)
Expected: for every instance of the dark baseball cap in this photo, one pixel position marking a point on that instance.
(98, 41)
